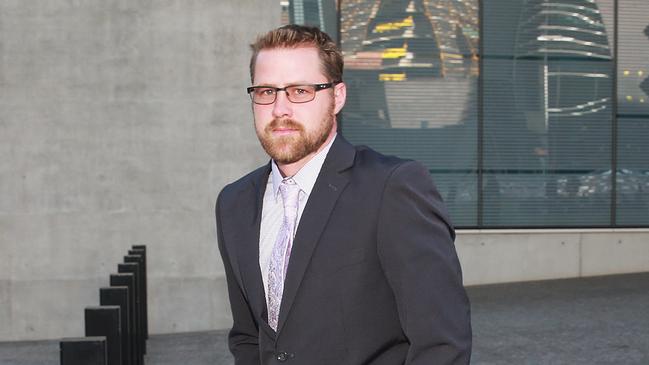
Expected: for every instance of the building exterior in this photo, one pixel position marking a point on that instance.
(515, 106)
(532, 116)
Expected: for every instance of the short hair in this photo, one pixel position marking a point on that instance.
(295, 36)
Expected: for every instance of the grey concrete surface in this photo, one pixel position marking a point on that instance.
(120, 121)
(598, 320)
(499, 256)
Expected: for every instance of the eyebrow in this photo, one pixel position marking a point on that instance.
(293, 84)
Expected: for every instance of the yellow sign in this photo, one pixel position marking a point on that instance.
(385, 27)
(392, 77)
(394, 52)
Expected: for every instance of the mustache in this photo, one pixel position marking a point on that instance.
(284, 123)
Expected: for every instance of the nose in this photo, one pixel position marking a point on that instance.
(282, 106)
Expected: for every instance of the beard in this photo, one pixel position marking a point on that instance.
(292, 148)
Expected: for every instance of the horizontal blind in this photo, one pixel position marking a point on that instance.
(548, 113)
(411, 68)
(547, 72)
(633, 114)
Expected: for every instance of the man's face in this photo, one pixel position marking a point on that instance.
(292, 132)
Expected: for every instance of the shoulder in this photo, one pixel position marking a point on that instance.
(245, 184)
(401, 181)
(389, 166)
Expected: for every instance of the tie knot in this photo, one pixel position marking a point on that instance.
(290, 193)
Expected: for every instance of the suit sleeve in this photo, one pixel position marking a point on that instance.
(243, 339)
(416, 249)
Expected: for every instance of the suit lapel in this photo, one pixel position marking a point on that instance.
(248, 244)
(329, 185)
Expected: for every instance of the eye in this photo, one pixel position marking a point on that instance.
(264, 91)
(300, 90)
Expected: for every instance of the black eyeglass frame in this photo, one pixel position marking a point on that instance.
(317, 87)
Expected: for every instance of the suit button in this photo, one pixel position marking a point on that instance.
(282, 356)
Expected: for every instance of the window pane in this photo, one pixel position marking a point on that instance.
(320, 13)
(547, 113)
(547, 108)
(411, 68)
(633, 113)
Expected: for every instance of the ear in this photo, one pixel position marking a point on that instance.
(340, 95)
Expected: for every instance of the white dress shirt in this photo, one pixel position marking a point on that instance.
(272, 213)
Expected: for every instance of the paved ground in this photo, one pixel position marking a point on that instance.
(603, 320)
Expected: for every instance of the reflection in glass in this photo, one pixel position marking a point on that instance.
(548, 114)
(633, 113)
(547, 108)
(320, 13)
(411, 67)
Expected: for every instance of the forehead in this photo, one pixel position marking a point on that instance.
(280, 66)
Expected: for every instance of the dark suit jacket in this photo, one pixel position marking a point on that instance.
(373, 276)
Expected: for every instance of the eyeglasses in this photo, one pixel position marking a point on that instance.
(264, 95)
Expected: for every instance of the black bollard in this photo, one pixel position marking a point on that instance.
(139, 260)
(118, 295)
(105, 321)
(142, 252)
(128, 280)
(134, 269)
(83, 351)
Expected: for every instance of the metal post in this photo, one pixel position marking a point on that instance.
(118, 295)
(141, 250)
(83, 351)
(139, 260)
(134, 269)
(105, 321)
(128, 280)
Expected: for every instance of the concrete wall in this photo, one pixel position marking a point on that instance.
(120, 120)
(498, 256)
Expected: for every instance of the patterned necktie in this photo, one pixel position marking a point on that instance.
(282, 250)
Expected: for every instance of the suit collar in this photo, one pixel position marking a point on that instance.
(341, 155)
(247, 247)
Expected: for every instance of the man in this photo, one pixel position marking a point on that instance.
(333, 254)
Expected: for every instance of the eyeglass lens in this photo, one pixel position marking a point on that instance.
(295, 94)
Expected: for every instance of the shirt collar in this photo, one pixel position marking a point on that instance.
(306, 177)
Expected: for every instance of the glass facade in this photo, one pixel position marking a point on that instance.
(632, 147)
(526, 112)
(547, 114)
